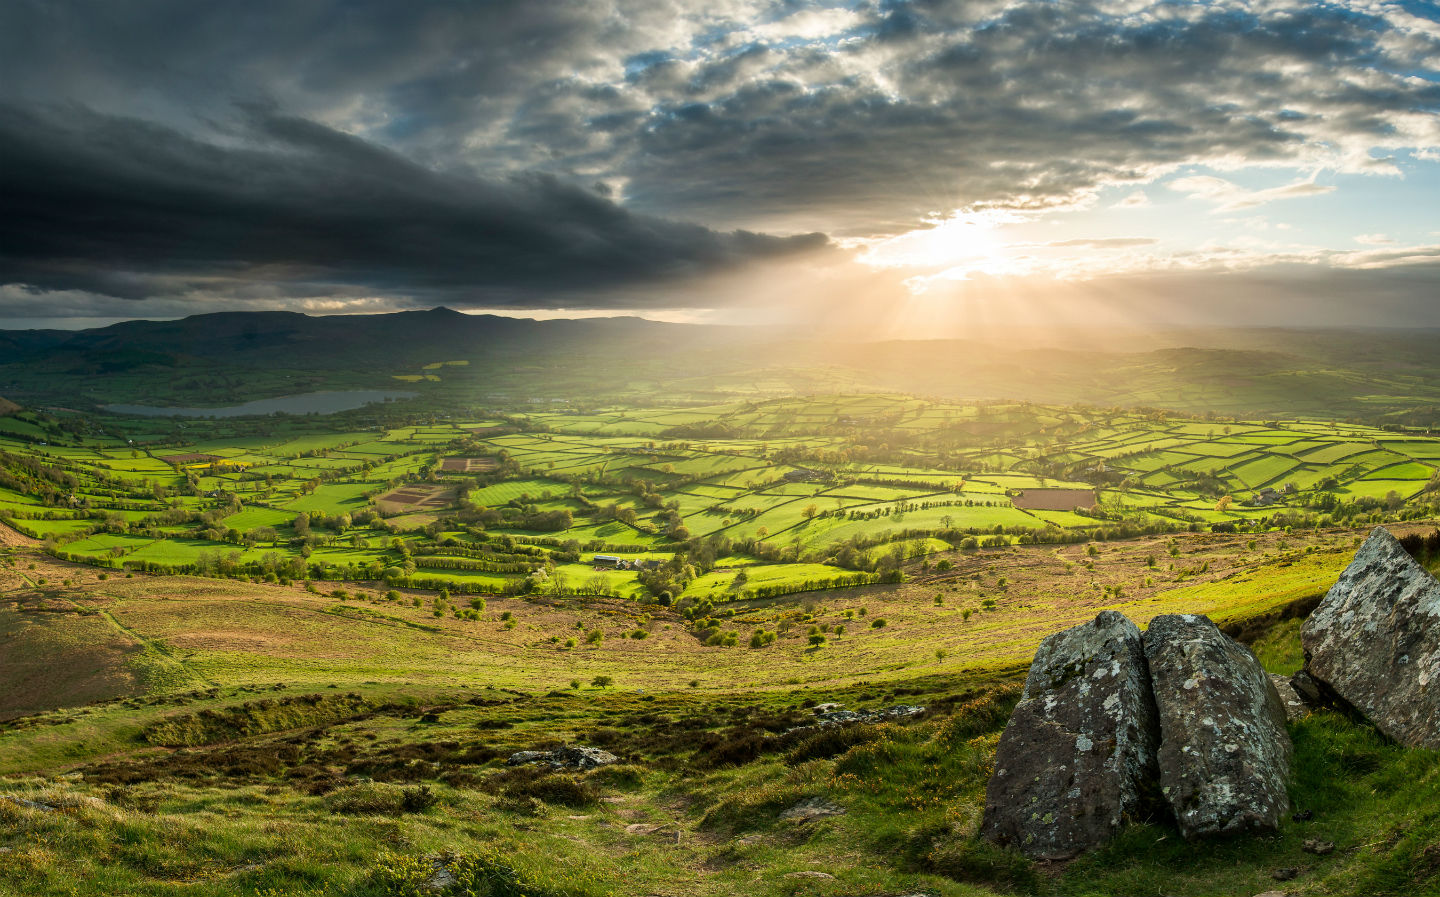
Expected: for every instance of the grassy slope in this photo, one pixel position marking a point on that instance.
(257, 816)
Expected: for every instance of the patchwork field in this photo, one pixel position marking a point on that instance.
(812, 493)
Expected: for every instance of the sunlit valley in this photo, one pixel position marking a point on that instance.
(848, 449)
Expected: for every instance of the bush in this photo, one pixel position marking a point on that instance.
(877, 623)
(414, 800)
(830, 741)
(542, 785)
(369, 798)
(981, 716)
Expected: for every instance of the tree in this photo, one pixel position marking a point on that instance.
(602, 682)
(1224, 503)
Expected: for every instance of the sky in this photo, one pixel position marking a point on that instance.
(879, 167)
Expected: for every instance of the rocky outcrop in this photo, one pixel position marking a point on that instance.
(1078, 755)
(1224, 754)
(1375, 642)
(567, 757)
(835, 715)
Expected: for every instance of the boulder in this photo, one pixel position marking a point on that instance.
(1078, 756)
(1224, 753)
(1375, 642)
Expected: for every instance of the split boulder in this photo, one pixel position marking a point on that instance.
(1076, 761)
(1224, 753)
(1375, 641)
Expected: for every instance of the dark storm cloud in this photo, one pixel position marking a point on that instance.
(131, 209)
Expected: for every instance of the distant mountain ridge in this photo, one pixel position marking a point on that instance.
(223, 337)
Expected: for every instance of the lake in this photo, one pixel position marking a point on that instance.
(306, 403)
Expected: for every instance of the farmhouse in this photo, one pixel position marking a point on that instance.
(1264, 498)
(805, 475)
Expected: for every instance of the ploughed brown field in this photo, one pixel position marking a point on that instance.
(414, 497)
(1054, 499)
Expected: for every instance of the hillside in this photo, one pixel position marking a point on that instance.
(240, 738)
(223, 358)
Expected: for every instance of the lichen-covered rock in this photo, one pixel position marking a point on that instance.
(1375, 641)
(568, 757)
(1077, 759)
(1224, 753)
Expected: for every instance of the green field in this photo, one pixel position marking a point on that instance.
(834, 482)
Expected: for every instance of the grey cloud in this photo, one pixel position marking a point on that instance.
(126, 208)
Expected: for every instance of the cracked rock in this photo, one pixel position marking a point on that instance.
(1224, 753)
(1077, 759)
(1375, 641)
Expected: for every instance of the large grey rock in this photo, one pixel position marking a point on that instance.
(568, 757)
(1077, 759)
(1375, 641)
(1224, 753)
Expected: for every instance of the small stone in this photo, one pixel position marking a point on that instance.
(1285, 874)
(1296, 707)
(809, 873)
(812, 808)
(441, 878)
(1274, 894)
(1318, 847)
(645, 828)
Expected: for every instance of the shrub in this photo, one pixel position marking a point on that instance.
(368, 798)
(830, 741)
(877, 623)
(414, 800)
(981, 716)
(552, 788)
(594, 637)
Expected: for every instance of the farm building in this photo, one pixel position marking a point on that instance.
(608, 560)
